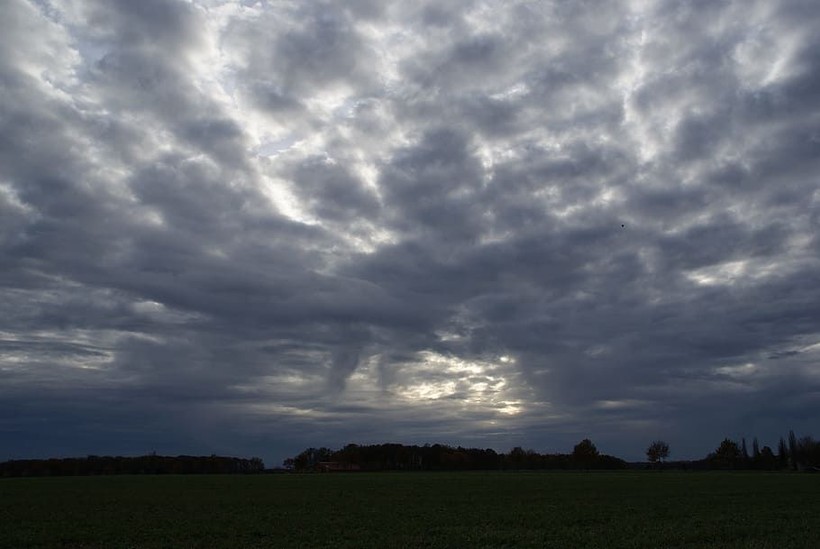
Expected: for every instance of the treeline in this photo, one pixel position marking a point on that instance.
(797, 454)
(143, 465)
(793, 453)
(439, 457)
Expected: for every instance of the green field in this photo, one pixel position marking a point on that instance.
(552, 509)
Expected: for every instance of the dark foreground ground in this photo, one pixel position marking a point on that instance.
(563, 509)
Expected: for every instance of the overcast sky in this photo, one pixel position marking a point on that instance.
(250, 227)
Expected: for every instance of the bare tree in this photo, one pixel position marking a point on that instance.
(657, 452)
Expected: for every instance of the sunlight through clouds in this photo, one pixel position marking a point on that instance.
(493, 221)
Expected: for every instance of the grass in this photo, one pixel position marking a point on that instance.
(552, 509)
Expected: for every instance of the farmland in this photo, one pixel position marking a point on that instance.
(496, 509)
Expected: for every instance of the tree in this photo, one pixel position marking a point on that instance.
(782, 453)
(255, 465)
(310, 458)
(516, 458)
(727, 455)
(585, 448)
(793, 450)
(585, 453)
(767, 459)
(657, 451)
(743, 451)
(755, 449)
(808, 453)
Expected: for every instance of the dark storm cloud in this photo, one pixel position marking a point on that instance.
(285, 55)
(431, 187)
(331, 192)
(244, 228)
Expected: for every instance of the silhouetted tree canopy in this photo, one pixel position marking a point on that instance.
(438, 457)
(727, 455)
(584, 453)
(766, 460)
(657, 451)
(802, 454)
(782, 452)
(118, 465)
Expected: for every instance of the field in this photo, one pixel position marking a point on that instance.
(561, 509)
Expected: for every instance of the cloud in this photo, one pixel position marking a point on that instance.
(244, 227)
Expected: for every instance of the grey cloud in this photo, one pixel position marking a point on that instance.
(287, 56)
(321, 224)
(153, 23)
(332, 192)
(270, 97)
(495, 118)
(432, 186)
(344, 362)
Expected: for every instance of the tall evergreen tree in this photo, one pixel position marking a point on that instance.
(743, 451)
(755, 449)
(793, 450)
(782, 452)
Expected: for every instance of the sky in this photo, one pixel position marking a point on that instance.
(250, 227)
